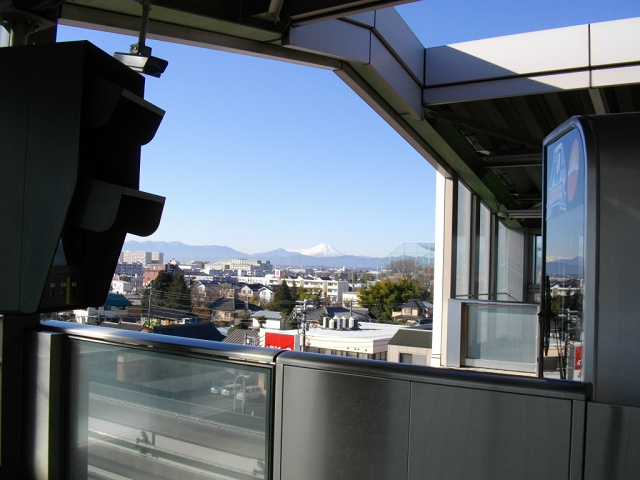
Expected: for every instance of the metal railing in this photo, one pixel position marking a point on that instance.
(144, 406)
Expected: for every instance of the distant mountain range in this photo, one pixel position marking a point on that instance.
(566, 267)
(322, 250)
(320, 256)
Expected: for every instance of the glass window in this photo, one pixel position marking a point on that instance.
(413, 359)
(157, 412)
(406, 358)
(502, 334)
(463, 243)
(484, 254)
(510, 253)
(537, 260)
(502, 264)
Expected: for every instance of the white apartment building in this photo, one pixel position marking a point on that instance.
(121, 286)
(144, 258)
(254, 267)
(331, 290)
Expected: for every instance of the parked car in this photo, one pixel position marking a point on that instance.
(229, 389)
(252, 392)
(218, 387)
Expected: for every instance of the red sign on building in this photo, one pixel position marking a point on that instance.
(577, 363)
(280, 340)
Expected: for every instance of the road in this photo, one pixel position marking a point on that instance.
(203, 435)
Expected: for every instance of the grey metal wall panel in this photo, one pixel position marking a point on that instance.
(461, 433)
(334, 37)
(514, 55)
(506, 87)
(615, 42)
(389, 70)
(612, 441)
(342, 426)
(365, 18)
(43, 429)
(618, 225)
(397, 34)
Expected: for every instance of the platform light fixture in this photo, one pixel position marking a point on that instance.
(139, 57)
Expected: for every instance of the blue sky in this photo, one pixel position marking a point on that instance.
(257, 154)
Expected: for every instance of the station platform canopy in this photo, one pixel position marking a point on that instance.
(476, 111)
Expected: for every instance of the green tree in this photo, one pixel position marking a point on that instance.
(179, 294)
(411, 268)
(314, 294)
(295, 291)
(386, 295)
(283, 300)
(170, 291)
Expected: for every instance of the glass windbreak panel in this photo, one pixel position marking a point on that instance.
(537, 260)
(484, 254)
(138, 414)
(564, 256)
(502, 337)
(463, 250)
(502, 266)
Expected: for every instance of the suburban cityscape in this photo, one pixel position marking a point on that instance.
(380, 314)
(506, 349)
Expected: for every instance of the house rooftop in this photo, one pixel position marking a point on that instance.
(366, 331)
(134, 327)
(267, 314)
(203, 331)
(241, 336)
(116, 300)
(411, 337)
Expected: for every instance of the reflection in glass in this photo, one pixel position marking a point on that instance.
(537, 260)
(143, 414)
(564, 256)
(502, 267)
(463, 242)
(484, 254)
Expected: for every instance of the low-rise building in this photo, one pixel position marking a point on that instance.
(329, 289)
(152, 272)
(410, 345)
(249, 292)
(231, 311)
(368, 340)
(206, 291)
(351, 299)
(171, 316)
(115, 307)
(265, 294)
(123, 287)
(414, 312)
(267, 319)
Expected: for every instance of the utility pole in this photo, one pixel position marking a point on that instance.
(149, 306)
(303, 340)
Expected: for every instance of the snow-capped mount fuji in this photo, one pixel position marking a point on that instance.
(321, 250)
(320, 256)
